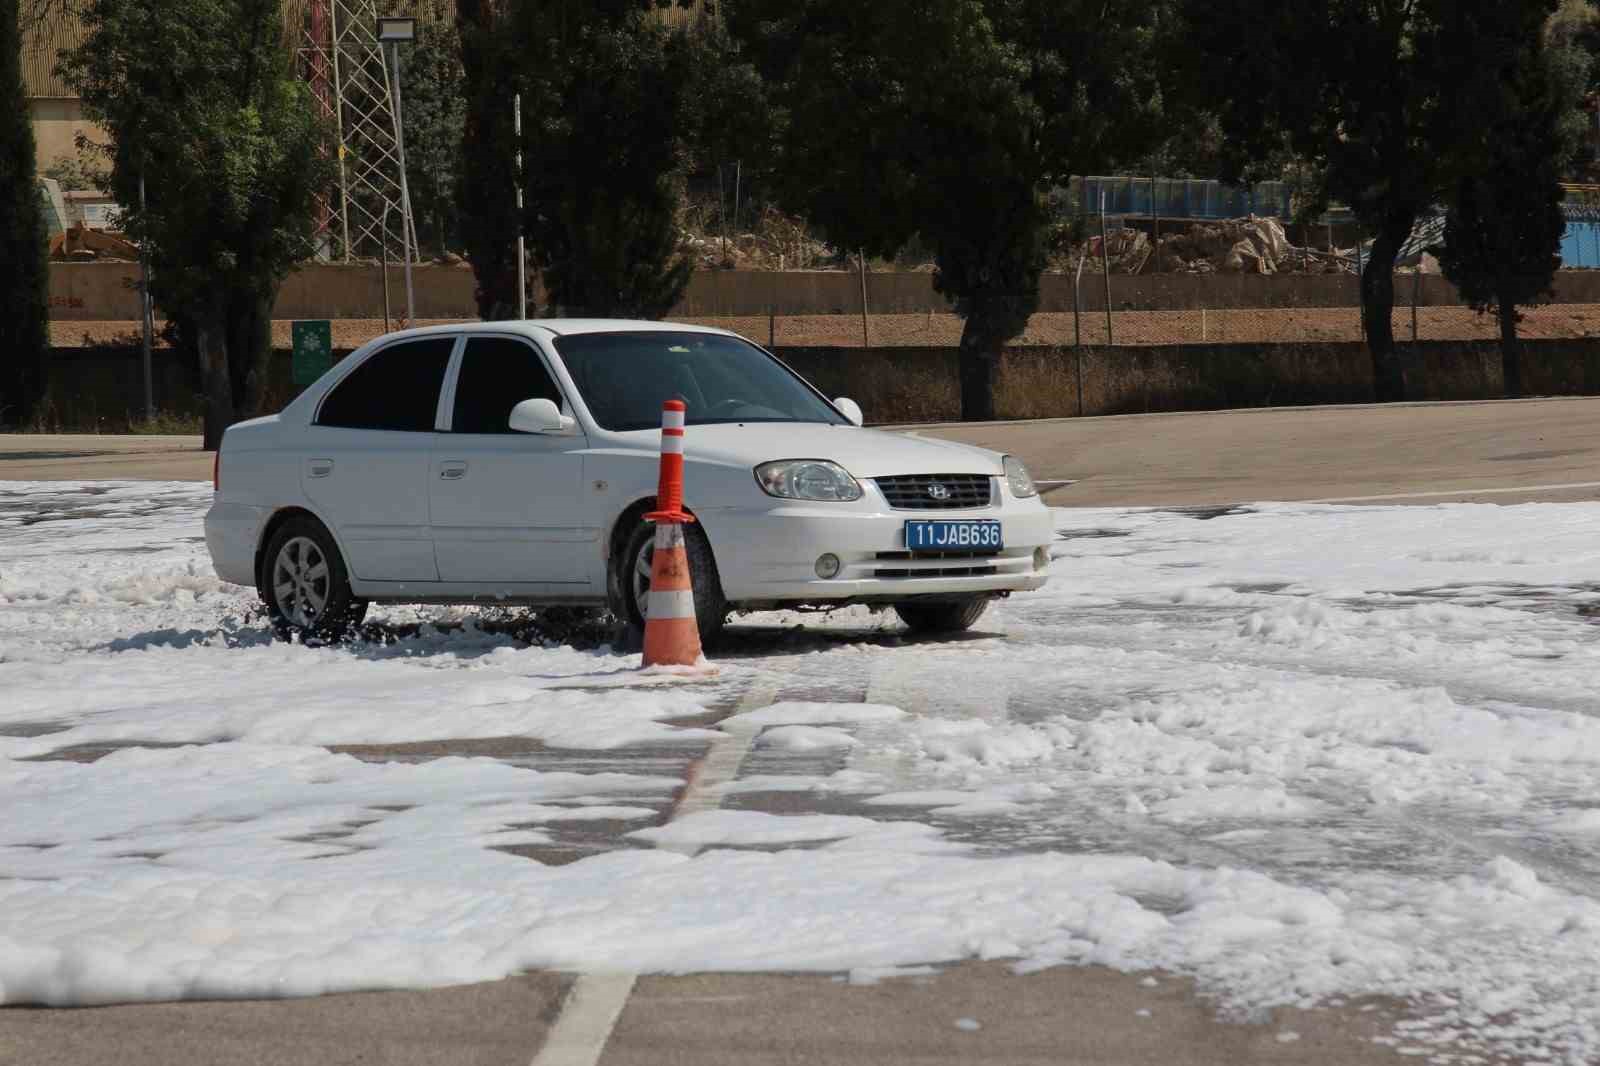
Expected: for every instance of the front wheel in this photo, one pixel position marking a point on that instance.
(634, 575)
(304, 583)
(945, 617)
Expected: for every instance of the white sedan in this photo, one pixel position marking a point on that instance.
(513, 462)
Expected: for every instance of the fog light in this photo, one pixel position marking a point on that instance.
(1041, 558)
(828, 566)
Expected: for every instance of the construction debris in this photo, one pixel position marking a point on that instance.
(78, 243)
(1249, 245)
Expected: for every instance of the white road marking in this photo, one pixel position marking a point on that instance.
(721, 764)
(594, 1004)
(1509, 490)
(588, 1015)
(1045, 484)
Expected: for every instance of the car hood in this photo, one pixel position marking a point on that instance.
(863, 452)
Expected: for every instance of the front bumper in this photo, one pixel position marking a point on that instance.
(768, 556)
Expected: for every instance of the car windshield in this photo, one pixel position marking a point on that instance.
(624, 377)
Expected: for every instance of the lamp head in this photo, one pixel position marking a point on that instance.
(396, 29)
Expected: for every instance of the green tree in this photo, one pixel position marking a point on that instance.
(614, 103)
(605, 147)
(435, 111)
(485, 185)
(1503, 229)
(950, 119)
(1384, 98)
(83, 170)
(200, 98)
(24, 278)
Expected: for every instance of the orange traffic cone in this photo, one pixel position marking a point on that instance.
(671, 634)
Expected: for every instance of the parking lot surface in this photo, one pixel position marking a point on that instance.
(1248, 782)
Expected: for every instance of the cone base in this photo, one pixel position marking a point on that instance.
(672, 642)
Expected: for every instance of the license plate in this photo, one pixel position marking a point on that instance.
(971, 535)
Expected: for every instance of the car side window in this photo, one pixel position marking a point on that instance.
(396, 389)
(497, 373)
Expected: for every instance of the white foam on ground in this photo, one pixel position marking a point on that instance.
(790, 713)
(1300, 753)
(806, 738)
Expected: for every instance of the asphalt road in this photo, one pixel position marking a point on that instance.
(1497, 452)
(1502, 451)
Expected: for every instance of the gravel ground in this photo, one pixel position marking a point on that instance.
(1287, 325)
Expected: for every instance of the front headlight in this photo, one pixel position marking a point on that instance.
(807, 479)
(1022, 485)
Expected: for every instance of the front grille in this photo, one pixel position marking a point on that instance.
(982, 553)
(959, 564)
(944, 571)
(922, 492)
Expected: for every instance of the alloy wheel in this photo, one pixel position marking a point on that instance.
(301, 581)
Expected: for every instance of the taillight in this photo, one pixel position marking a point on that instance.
(216, 470)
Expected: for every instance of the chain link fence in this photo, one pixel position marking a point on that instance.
(1157, 310)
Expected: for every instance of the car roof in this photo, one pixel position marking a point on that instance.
(563, 327)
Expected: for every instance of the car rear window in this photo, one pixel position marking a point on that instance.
(397, 388)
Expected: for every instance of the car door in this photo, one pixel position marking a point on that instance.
(507, 507)
(366, 457)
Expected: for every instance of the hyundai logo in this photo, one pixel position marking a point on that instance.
(938, 492)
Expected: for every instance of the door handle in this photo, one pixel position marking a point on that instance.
(452, 470)
(319, 467)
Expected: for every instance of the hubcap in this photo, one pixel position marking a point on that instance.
(640, 578)
(300, 581)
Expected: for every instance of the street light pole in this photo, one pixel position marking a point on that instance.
(392, 31)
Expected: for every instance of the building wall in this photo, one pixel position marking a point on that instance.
(57, 121)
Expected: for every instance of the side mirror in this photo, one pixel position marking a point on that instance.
(539, 416)
(850, 409)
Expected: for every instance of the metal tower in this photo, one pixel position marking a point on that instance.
(341, 60)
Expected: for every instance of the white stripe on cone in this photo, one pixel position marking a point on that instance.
(671, 603)
(671, 445)
(672, 419)
(668, 535)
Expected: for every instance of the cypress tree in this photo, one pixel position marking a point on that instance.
(24, 277)
(1502, 236)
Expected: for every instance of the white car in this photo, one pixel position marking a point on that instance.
(513, 462)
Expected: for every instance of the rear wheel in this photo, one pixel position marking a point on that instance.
(633, 579)
(305, 585)
(943, 617)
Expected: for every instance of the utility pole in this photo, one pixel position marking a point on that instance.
(383, 246)
(146, 314)
(522, 251)
(1105, 263)
(861, 263)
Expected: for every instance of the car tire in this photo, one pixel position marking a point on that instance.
(710, 609)
(942, 617)
(305, 585)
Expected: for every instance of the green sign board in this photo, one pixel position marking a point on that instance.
(313, 349)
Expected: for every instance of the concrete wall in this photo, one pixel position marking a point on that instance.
(1038, 382)
(100, 385)
(107, 292)
(104, 291)
(330, 291)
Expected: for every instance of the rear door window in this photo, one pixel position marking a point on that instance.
(395, 389)
(497, 373)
